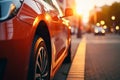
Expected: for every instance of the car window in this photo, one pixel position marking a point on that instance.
(9, 8)
(56, 6)
(17, 3)
(48, 1)
(46, 4)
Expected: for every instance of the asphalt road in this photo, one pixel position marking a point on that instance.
(102, 57)
(102, 60)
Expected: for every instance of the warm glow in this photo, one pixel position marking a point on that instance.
(103, 31)
(117, 27)
(113, 17)
(83, 7)
(36, 21)
(12, 7)
(47, 17)
(112, 30)
(96, 31)
(98, 24)
(105, 27)
(66, 22)
(102, 22)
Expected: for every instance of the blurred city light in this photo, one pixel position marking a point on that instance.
(105, 27)
(97, 24)
(103, 31)
(113, 17)
(117, 27)
(112, 30)
(102, 22)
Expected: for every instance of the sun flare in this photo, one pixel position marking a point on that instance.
(83, 7)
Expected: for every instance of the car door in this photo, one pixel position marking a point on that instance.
(57, 29)
(61, 34)
(58, 32)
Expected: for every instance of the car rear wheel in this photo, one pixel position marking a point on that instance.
(39, 63)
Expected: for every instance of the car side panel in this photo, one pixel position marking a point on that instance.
(15, 42)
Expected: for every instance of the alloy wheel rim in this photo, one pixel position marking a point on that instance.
(41, 67)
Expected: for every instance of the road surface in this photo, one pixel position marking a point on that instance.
(102, 58)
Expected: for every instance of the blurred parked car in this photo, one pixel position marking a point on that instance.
(34, 39)
(99, 30)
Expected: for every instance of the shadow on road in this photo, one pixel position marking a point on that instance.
(64, 69)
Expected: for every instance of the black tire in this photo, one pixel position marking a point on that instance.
(39, 68)
(68, 57)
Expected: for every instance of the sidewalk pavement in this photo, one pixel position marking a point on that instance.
(64, 69)
(74, 45)
(77, 68)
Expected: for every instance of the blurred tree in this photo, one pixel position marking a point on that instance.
(107, 12)
(115, 11)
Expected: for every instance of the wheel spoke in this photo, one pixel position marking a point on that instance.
(42, 70)
(42, 59)
(45, 61)
(38, 66)
(45, 74)
(37, 76)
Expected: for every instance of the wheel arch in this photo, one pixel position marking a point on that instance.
(42, 31)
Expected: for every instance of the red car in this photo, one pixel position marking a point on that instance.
(34, 39)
